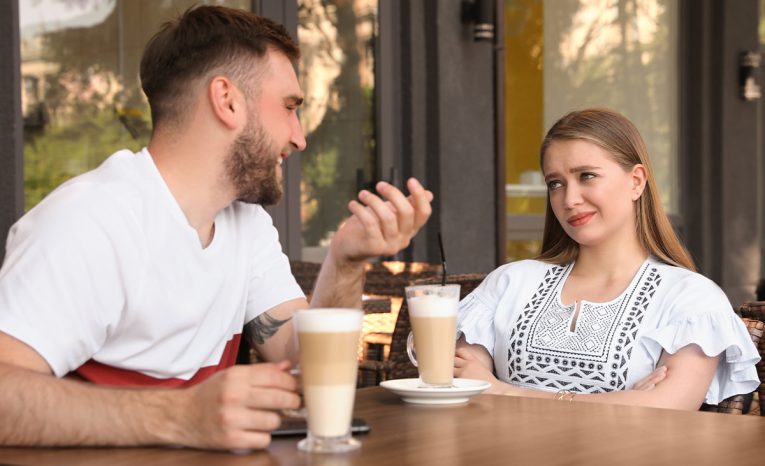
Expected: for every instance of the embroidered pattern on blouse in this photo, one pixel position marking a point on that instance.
(544, 353)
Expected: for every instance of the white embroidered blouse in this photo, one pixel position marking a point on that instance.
(518, 316)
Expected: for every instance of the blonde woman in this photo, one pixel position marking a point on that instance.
(612, 309)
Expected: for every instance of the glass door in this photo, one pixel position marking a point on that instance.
(565, 55)
(337, 71)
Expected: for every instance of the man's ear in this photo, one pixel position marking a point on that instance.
(639, 179)
(226, 101)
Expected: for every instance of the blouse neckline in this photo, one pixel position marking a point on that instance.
(619, 297)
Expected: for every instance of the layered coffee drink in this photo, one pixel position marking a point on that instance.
(433, 314)
(328, 340)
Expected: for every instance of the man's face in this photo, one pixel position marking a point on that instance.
(251, 166)
(271, 134)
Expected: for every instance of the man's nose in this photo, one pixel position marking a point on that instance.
(297, 138)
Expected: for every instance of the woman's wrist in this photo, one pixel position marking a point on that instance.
(564, 395)
(500, 388)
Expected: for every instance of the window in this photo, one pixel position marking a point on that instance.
(337, 71)
(564, 55)
(81, 99)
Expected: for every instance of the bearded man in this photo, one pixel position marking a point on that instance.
(124, 293)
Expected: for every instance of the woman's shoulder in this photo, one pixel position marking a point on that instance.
(522, 274)
(525, 266)
(682, 278)
(690, 290)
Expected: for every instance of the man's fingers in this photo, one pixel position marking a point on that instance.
(400, 205)
(420, 199)
(366, 217)
(386, 216)
(235, 420)
(242, 441)
(269, 375)
(272, 398)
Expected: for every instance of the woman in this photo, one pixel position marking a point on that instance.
(611, 310)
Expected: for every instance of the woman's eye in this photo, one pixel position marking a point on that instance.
(587, 176)
(551, 185)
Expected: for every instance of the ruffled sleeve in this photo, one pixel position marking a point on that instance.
(701, 314)
(475, 320)
(475, 317)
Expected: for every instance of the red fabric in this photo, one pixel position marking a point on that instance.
(102, 374)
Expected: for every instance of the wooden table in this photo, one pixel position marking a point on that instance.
(488, 430)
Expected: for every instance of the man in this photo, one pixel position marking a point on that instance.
(142, 272)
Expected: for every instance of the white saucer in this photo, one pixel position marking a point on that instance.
(412, 391)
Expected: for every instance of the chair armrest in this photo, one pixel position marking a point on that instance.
(371, 373)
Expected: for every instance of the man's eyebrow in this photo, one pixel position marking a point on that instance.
(294, 100)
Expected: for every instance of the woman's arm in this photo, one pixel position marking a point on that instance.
(683, 385)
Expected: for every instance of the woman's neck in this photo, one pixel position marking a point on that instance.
(609, 261)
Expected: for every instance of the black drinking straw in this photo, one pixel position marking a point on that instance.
(443, 259)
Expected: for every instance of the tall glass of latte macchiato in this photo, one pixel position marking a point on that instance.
(433, 314)
(329, 340)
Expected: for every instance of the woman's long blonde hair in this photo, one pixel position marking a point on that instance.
(619, 137)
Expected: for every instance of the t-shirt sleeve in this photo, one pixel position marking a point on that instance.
(475, 316)
(698, 312)
(271, 279)
(63, 283)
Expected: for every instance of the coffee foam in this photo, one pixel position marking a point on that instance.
(329, 320)
(432, 306)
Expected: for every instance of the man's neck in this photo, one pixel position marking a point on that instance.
(195, 177)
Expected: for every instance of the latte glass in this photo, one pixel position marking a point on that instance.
(328, 340)
(431, 344)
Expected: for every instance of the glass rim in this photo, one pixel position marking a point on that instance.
(312, 310)
(432, 286)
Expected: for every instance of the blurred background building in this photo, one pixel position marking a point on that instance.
(456, 93)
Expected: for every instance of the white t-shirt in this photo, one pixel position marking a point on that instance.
(106, 278)
(518, 316)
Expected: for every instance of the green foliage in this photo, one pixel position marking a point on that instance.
(61, 152)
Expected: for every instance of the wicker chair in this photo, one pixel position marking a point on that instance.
(398, 366)
(756, 310)
(305, 273)
(741, 404)
(389, 278)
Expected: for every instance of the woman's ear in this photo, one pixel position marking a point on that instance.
(226, 101)
(639, 178)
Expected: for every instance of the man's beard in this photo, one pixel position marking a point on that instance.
(251, 167)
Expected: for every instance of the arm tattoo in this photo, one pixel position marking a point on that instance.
(264, 327)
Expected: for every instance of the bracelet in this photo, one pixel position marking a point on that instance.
(565, 395)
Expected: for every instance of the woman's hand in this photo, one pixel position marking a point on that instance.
(468, 366)
(652, 379)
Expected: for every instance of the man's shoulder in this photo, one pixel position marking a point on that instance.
(118, 176)
(103, 196)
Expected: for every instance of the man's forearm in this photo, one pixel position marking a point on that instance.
(340, 284)
(38, 409)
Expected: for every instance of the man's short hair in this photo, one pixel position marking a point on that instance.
(201, 41)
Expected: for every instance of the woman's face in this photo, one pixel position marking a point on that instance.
(591, 195)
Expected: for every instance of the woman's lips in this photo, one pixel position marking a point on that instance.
(580, 219)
